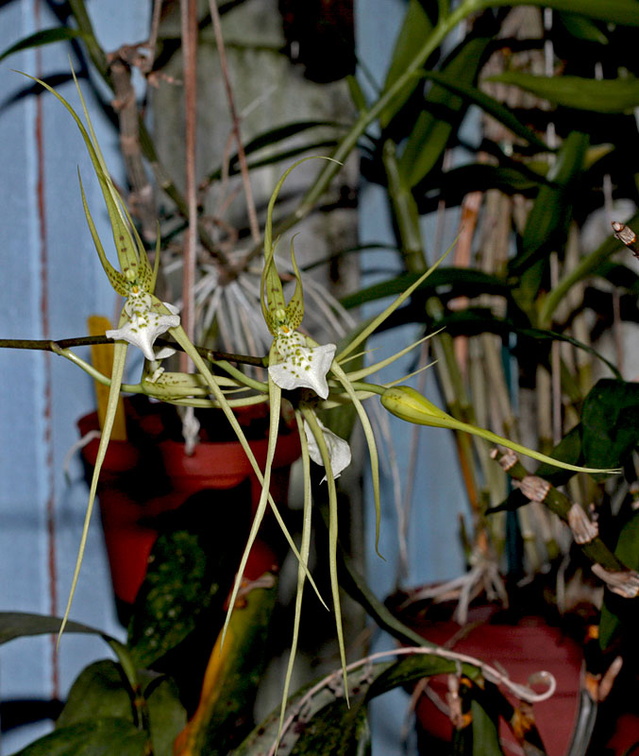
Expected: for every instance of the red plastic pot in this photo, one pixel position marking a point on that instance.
(521, 650)
(127, 514)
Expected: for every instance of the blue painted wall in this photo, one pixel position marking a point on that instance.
(51, 281)
(433, 548)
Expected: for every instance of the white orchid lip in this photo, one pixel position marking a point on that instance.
(300, 364)
(339, 450)
(145, 325)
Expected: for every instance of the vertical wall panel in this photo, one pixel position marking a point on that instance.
(438, 495)
(51, 281)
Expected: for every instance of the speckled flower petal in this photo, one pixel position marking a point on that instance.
(145, 325)
(300, 365)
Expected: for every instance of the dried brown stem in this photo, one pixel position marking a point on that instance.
(188, 14)
(596, 550)
(235, 125)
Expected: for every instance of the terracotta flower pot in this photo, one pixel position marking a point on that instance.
(151, 474)
(521, 649)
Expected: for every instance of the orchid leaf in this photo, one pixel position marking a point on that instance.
(619, 95)
(582, 28)
(101, 687)
(488, 104)
(41, 38)
(415, 28)
(436, 124)
(610, 422)
(191, 570)
(460, 282)
(24, 624)
(612, 11)
(107, 736)
(232, 676)
(336, 730)
(547, 224)
(617, 613)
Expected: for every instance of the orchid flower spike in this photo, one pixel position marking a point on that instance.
(143, 317)
(295, 360)
(408, 404)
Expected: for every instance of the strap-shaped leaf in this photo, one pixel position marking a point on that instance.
(611, 11)
(416, 27)
(619, 95)
(43, 37)
(548, 221)
(443, 111)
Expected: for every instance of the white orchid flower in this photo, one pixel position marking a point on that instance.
(145, 324)
(339, 450)
(302, 364)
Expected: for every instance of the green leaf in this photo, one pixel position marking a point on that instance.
(335, 731)
(168, 716)
(485, 732)
(171, 600)
(233, 674)
(596, 95)
(457, 281)
(489, 105)
(191, 569)
(443, 111)
(510, 179)
(412, 668)
(617, 612)
(610, 11)
(415, 29)
(583, 28)
(101, 688)
(40, 38)
(610, 422)
(539, 335)
(266, 733)
(106, 736)
(547, 224)
(628, 544)
(23, 624)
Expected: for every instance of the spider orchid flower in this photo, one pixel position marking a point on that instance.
(297, 363)
(144, 323)
(295, 360)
